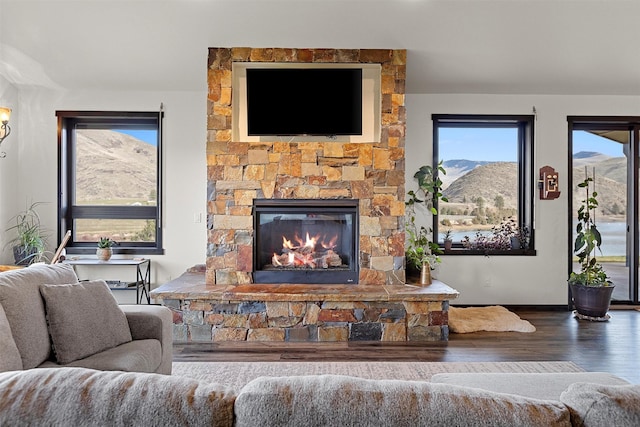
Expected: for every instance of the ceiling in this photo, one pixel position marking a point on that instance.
(569, 47)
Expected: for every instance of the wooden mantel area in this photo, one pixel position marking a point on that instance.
(291, 312)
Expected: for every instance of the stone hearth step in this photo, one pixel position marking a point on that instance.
(305, 312)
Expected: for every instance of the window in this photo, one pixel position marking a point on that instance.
(110, 180)
(489, 180)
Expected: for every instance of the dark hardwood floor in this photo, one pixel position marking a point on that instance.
(612, 346)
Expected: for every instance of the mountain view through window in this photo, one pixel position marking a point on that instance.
(115, 168)
(481, 181)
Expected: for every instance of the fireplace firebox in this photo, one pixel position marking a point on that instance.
(305, 241)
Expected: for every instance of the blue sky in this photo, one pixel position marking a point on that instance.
(585, 141)
(148, 136)
(471, 144)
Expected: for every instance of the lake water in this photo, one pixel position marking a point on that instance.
(613, 237)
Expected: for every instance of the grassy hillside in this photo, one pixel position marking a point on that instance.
(486, 181)
(114, 168)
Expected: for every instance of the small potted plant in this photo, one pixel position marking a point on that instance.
(31, 238)
(105, 251)
(521, 238)
(447, 237)
(591, 288)
(509, 231)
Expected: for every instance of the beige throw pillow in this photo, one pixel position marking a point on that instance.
(20, 298)
(84, 319)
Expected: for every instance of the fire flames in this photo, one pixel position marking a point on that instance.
(312, 252)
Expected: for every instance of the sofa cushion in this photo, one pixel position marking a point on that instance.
(85, 397)
(84, 319)
(322, 400)
(133, 356)
(599, 405)
(541, 385)
(20, 297)
(9, 355)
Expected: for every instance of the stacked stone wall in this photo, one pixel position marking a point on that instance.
(318, 321)
(239, 172)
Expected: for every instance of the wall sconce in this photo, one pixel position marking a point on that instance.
(5, 130)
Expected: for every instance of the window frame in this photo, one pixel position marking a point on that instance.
(527, 182)
(68, 212)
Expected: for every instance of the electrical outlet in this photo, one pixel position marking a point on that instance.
(197, 218)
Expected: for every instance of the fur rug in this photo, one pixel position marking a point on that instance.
(493, 318)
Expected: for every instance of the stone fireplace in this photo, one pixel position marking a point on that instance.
(305, 237)
(239, 172)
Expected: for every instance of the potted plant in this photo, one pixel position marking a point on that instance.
(447, 237)
(30, 238)
(105, 251)
(422, 253)
(591, 288)
(520, 239)
(511, 234)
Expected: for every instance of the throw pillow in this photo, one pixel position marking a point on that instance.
(84, 319)
(23, 305)
(599, 405)
(9, 355)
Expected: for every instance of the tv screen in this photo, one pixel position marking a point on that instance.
(304, 101)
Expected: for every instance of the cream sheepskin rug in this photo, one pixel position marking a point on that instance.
(493, 318)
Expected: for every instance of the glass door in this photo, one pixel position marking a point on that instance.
(606, 151)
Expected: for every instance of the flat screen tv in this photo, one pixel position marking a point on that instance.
(304, 101)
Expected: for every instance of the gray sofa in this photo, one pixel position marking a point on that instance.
(78, 396)
(48, 319)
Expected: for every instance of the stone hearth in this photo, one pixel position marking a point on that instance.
(316, 313)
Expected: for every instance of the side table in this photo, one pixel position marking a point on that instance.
(143, 272)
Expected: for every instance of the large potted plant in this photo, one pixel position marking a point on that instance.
(30, 238)
(590, 287)
(422, 253)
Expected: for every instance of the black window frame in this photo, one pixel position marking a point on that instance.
(527, 183)
(68, 211)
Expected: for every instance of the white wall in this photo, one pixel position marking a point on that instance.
(523, 280)
(9, 175)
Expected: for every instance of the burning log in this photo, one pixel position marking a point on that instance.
(305, 257)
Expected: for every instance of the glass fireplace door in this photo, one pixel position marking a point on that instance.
(305, 241)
